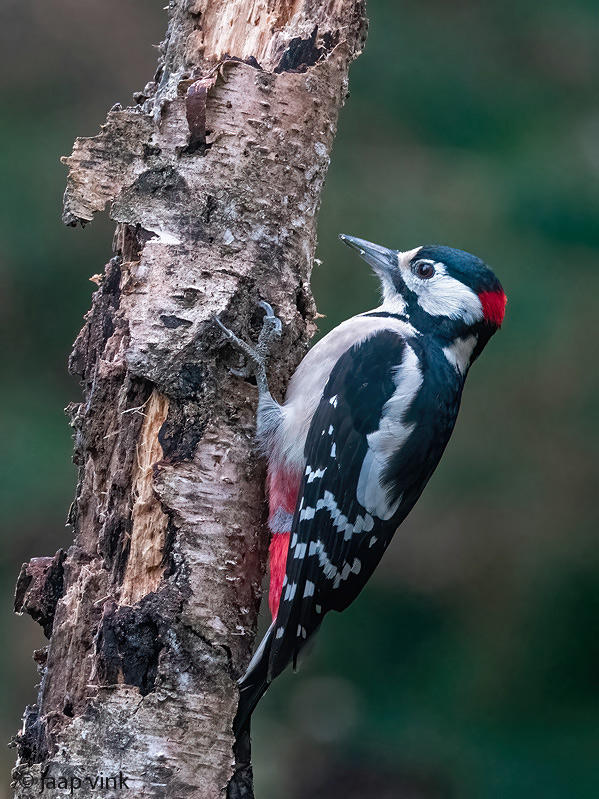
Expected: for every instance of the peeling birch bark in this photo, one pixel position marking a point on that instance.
(214, 179)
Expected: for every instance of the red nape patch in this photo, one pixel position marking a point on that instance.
(493, 303)
(279, 547)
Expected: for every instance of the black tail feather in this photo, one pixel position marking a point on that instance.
(253, 684)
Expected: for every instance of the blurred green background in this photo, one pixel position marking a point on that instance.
(469, 667)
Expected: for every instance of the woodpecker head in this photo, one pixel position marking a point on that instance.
(442, 291)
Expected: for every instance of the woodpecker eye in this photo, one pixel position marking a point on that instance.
(423, 269)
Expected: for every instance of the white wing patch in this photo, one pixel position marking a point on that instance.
(300, 551)
(290, 592)
(389, 438)
(355, 568)
(314, 474)
(317, 548)
(340, 520)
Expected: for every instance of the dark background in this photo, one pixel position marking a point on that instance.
(469, 667)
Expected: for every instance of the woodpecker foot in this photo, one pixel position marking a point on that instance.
(257, 356)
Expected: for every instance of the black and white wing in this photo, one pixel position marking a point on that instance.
(351, 500)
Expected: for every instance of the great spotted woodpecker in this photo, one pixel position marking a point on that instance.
(368, 414)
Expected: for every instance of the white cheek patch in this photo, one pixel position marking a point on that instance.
(443, 295)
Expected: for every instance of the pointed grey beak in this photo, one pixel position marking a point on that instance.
(382, 260)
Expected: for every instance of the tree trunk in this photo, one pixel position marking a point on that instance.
(214, 180)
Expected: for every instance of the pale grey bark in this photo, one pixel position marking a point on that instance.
(214, 180)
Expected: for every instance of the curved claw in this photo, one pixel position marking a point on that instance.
(267, 307)
(278, 326)
(225, 330)
(270, 315)
(271, 324)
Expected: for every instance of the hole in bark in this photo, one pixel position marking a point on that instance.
(172, 322)
(163, 182)
(149, 150)
(179, 437)
(304, 53)
(130, 643)
(211, 206)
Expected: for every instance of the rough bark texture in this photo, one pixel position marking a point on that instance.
(214, 179)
